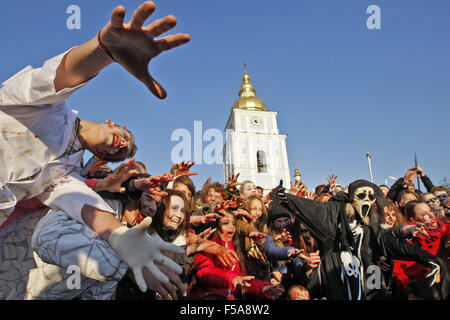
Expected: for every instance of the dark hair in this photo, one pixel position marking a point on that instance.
(406, 191)
(410, 208)
(298, 240)
(123, 153)
(190, 185)
(157, 224)
(319, 189)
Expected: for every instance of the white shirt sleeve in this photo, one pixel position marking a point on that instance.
(35, 86)
(70, 194)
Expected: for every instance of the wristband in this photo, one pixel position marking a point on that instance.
(105, 50)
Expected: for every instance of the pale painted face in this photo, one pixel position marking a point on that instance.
(256, 209)
(423, 213)
(249, 189)
(432, 201)
(174, 215)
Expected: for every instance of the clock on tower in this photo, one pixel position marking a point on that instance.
(254, 147)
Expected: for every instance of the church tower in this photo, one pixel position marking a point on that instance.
(254, 147)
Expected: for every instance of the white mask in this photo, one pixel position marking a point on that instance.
(363, 200)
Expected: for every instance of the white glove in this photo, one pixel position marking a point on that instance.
(139, 249)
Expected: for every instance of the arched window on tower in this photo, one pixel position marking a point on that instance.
(261, 161)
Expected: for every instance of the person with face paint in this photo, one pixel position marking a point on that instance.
(251, 235)
(442, 194)
(74, 241)
(434, 203)
(170, 223)
(289, 263)
(349, 230)
(204, 215)
(214, 281)
(248, 188)
(43, 141)
(410, 272)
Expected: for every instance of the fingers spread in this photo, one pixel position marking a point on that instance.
(141, 14)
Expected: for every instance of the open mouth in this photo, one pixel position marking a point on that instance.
(365, 210)
(116, 140)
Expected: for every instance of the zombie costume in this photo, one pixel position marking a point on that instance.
(39, 149)
(212, 278)
(348, 229)
(407, 271)
(62, 246)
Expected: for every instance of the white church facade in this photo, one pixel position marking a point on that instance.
(254, 146)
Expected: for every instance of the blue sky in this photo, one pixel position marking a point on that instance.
(341, 90)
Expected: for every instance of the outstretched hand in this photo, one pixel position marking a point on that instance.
(133, 46)
(152, 184)
(332, 179)
(233, 203)
(232, 181)
(183, 169)
(139, 249)
(113, 182)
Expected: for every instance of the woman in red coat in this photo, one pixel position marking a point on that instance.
(215, 281)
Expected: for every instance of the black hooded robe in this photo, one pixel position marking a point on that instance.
(324, 220)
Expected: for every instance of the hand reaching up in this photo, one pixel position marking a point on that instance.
(134, 45)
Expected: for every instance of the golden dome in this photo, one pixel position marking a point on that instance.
(247, 98)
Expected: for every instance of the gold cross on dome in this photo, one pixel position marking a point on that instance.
(244, 64)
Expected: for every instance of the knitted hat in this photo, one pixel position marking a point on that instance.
(278, 211)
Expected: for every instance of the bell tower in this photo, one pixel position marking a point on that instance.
(254, 147)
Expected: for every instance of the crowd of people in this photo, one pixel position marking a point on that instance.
(85, 231)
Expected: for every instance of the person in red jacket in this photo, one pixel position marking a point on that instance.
(214, 281)
(409, 274)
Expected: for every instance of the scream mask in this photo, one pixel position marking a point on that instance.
(362, 200)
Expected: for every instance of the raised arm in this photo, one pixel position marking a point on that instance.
(130, 44)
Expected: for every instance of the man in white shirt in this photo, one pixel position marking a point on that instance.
(42, 142)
